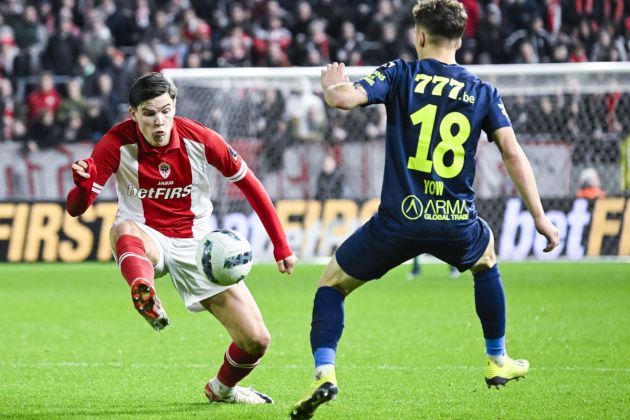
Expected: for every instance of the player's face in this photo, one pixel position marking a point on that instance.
(155, 119)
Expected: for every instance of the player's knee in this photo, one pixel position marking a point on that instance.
(257, 343)
(125, 227)
(485, 262)
(335, 277)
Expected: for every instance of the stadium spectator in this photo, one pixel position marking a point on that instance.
(358, 127)
(121, 22)
(312, 127)
(238, 16)
(73, 129)
(276, 141)
(390, 43)
(492, 37)
(275, 56)
(560, 53)
(330, 180)
(144, 60)
(109, 100)
(584, 35)
(46, 97)
(63, 49)
(473, 12)
(29, 33)
(383, 14)
(44, 130)
(575, 125)
(237, 49)
(348, 42)
(120, 72)
(8, 51)
(193, 61)
(589, 185)
(194, 29)
(375, 128)
(171, 53)
(519, 14)
(552, 16)
(606, 47)
(537, 38)
(96, 121)
(318, 39)
(416, 269)
(74, 101)
(337, 132)
(276, 34)
(86, 70)
(11, 111)
(97, 36)
(142, 17)
(153, 235)
(273, 129)
(158, 31)
(303, 19)
(578, 54)
(19, 134)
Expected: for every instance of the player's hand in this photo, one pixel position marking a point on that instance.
(84, 172)
(80, 167)
(549, 231)
(286, 265)
(333, 74)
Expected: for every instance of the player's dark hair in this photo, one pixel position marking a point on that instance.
(441, 18)
(149, 86)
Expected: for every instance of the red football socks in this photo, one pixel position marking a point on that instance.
(237, 364)
(132, 259)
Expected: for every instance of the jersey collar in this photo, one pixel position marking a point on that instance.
(147, 148)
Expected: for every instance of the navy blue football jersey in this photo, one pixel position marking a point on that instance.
(435, 114)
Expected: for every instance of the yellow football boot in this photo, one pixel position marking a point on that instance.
(511, 369)
(320, 392)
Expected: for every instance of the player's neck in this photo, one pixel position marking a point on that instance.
(443, 55)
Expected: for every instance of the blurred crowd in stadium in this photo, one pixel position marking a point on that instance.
(66, 65)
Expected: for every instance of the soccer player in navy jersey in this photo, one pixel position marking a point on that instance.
(159, 161)
(436, 110)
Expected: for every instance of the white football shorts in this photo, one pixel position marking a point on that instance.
(178, 257)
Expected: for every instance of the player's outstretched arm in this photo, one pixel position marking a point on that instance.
(522, 175)
(81, 196)
(339, 92)
(258, 198)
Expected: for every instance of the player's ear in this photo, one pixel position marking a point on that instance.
(133, 112)
(421, 38)
(459, 44)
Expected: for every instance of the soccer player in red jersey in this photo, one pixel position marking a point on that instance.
(159, 161)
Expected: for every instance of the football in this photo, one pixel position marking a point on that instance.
(224, 256)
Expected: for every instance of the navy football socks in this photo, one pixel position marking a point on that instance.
(490, 306)
(327, 324)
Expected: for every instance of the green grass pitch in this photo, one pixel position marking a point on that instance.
(71, 345)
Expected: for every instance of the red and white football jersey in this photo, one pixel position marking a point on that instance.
(165, 188)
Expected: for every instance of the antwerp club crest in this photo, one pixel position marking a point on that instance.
(165, 169)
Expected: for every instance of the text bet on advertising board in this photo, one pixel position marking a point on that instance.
(43, 231)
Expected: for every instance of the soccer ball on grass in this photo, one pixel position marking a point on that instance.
(224, 256)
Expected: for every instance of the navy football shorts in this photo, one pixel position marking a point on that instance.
(369, 252)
